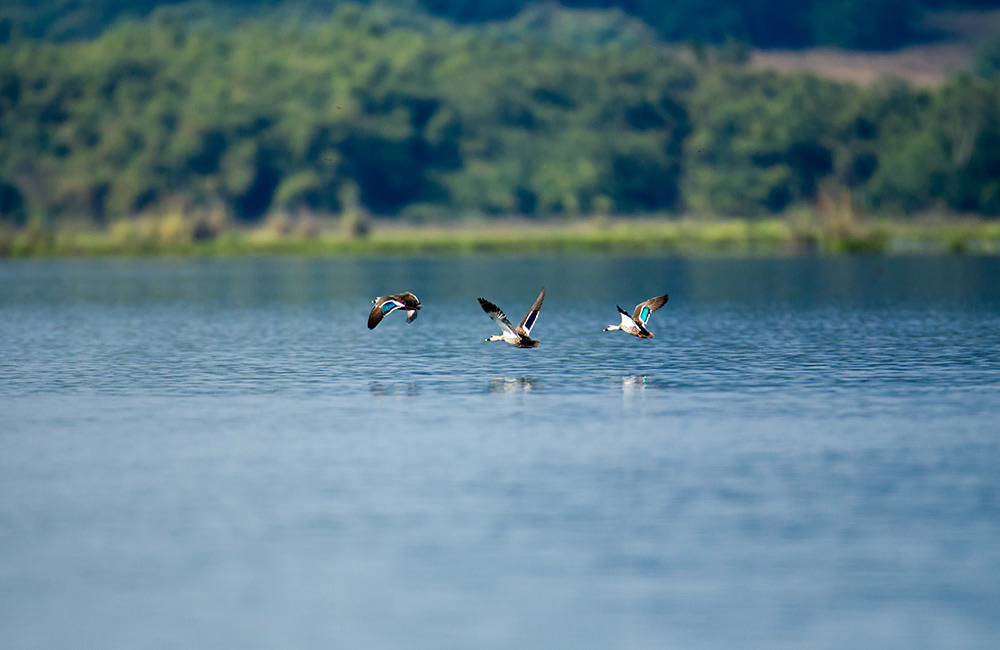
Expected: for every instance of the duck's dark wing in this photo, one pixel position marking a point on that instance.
(497, 315)
(529, 319)
(382, 307)
(375, 316)
(626, 317)
(645, 308)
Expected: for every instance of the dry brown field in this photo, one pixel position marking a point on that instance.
(959, 35)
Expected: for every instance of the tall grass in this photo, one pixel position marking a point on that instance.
(179, 233)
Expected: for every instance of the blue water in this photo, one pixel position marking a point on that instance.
(219, 454)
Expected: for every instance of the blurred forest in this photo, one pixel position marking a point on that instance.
(443, 108)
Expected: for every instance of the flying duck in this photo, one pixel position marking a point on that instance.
(636, 323)
(388, 304)
(516, 336)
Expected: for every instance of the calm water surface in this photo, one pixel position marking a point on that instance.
(219, 454)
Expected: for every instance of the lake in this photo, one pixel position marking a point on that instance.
(217, 453)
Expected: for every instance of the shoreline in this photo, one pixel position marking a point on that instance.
(676, 236)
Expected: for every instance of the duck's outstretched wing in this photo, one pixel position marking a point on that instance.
(626, 317)
(529, 319)
(497, 315)
(647, 307)
(382, 307)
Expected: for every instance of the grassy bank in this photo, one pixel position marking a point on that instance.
(313, 236)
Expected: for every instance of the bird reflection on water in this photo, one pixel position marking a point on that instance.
(511, 385)
(634, 386)
(632, 383)
(379, 388)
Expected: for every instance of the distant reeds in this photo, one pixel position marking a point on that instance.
(215, 233)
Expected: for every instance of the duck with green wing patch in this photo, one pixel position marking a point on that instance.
(635, 323)
(384, 305)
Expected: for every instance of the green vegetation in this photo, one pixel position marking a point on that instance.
(173, 234)
(182, 136)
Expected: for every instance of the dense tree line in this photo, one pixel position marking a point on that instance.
(435, 120)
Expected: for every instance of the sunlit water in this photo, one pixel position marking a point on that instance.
(219, 454)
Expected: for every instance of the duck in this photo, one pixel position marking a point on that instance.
(387, 304)
(516, 336)
(635, 323)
